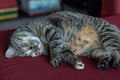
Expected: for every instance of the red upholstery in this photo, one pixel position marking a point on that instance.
(115, 19)
(117, 6)
(39, 68)
(110, 7)
(111, 11)
(107, 6)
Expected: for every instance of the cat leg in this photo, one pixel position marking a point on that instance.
(55, 37)
(110, 39)
(56, 41)
(116, 59)
(69, 57)
(102, 56)
(55, 57)
(55, 47)
(112, 45)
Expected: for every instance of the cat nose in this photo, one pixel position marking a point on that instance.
(37, 48)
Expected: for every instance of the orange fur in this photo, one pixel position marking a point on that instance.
(87, 37)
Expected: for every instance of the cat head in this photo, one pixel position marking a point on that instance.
(25, 45)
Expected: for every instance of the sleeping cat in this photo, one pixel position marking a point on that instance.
(63, 35)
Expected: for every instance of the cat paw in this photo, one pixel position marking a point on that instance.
(56, 61)
(103, 64)
(79, 65)
(116, 63)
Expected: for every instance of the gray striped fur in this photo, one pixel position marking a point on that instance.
(54, 39)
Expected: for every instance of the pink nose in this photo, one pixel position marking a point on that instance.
(37, 48)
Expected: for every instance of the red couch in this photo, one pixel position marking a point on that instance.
(111, 11)
(39, 68)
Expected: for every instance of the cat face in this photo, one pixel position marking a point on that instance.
(25, 46)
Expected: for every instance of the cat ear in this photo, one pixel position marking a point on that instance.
(10, 52)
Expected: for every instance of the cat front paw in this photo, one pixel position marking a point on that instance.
(103, 64)
(79, 65)
(56, 61)
(116, 63)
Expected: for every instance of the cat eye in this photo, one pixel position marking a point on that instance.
(30, 47)
(24, 48)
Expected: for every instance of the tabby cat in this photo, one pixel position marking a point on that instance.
(63, 35)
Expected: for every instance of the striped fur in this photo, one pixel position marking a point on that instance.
(63, 35)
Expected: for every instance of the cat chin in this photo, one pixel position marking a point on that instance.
(33, 55)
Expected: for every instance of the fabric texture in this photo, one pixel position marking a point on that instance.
(110, 7)
(39, 68)
(115, 19)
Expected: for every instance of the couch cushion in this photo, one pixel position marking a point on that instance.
(117, 6)
(110, 7)
(114, 20)
(107, 9)
(39, 68)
